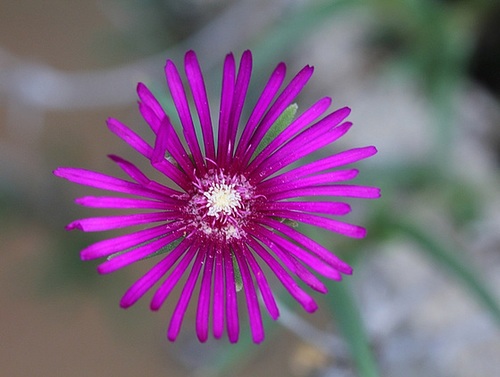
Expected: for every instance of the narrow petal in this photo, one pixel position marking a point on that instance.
(114, 245)
(346, 229)
(105, 182)
(334, 161)
(265, 99)
(141, 286)
(291, 263)
(264, 288)
(240, 91)
(319, 179)
(314, 138)
(149, 99)
(291, 286)
(310, 260)
(320, 251)
(203, 311)
(113, 202)
(218, 308)
(254, 315)
(197, 83)
(307, 117)
(330, 208)
(281, 103)
(226, 103)
(231, 303)
(308, 277)
(97, 224)
(164, 290)
(180, 100)
(187, 292)
(168, 140)
(349, 191)
(137, 175)
(136, 142)
(138, 253)
(130, 137)
(173, 143)
(130, 169)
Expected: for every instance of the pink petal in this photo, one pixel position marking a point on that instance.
(202, 314)
(254, 315)
(105, 182)
(196, 81)
(319, 179)
(346, 229)
(260, 108)
(218, 305)
(179, 97)
(138, 253)
(264, 288)
(281, 103)
(351, 191)
(314, 138)
(97, 224)
(291, 286)
(114, 245)
(320, 251)
(149, 99)
(240, 91)
(330, 208)
(113, 202)
(310, 260)
(226, 103)
(187, 291)
(141, 286)
(231, 303)
(164, 290)
(334, 161)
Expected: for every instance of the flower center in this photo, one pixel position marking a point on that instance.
(220, 205)
(222, 199)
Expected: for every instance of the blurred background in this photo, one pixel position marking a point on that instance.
(423, 80)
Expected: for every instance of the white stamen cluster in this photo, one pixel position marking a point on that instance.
(220, 205)
(222, 199)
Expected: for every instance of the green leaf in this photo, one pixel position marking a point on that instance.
(283, 121)
(237, 274)
(352, 327)
(166, 249)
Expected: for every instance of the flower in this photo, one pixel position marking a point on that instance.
(231, 210)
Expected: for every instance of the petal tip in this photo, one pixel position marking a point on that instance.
(84, 256)
(172, 337)
(103, 269)
(190, 58)
(140, 87)
(74, 225)
(202, 337)
(125, 304)
(60, 172)
(311, 306)
(154, 306)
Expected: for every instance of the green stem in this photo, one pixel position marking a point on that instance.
(351, 326)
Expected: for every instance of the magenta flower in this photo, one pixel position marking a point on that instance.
(235, 199)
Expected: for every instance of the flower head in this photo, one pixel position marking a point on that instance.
(222, 210)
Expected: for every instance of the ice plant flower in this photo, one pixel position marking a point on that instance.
(230, 199)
